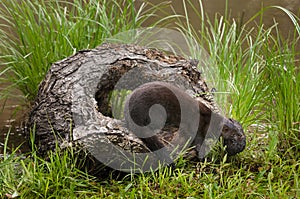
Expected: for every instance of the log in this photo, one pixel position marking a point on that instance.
(73, 106)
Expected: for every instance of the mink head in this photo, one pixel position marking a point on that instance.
(233, 136)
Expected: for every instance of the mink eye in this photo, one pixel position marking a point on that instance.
(225, 129)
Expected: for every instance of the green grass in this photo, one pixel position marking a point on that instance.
(28, 176)
(35, 34)
(255, 72)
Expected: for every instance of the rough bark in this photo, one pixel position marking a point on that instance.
(52, 115)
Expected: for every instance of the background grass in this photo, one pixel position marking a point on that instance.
(35, 34)
(255, 72)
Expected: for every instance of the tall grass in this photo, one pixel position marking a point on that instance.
(254, 71)
(34, 34)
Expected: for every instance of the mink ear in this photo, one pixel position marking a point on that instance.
(225, 130)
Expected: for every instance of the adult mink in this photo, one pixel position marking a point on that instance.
(155, 105)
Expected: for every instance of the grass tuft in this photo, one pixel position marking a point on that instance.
(35, 34)
(254, 71)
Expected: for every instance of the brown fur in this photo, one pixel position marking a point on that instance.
(141, 99)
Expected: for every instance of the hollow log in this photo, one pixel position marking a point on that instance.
(75, 82)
